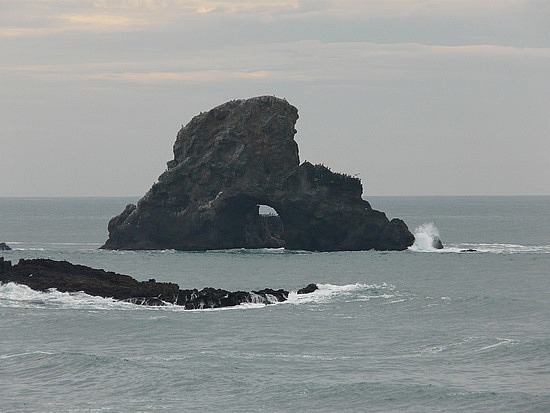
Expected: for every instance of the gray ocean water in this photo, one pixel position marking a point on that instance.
(413, 331)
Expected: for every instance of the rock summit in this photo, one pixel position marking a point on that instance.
(230, 160)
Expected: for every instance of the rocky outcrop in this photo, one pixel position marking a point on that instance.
(308, 289)
(436, 243)
(4, 247)
(230, 160)
(43, 274)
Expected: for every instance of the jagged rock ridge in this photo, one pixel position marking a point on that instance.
(43, 274)
(231, 159)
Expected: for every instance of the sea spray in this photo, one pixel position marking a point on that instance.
(426, 237)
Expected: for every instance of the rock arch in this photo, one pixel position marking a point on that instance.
(242, 225)
(231, 159)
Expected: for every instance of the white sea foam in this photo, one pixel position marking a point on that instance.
(21, 296)
(424, 237)
(324, 293)
(467, 345)
(499, 342)
(496, 248)
(28, 353)
(243, 306)
(257, 251)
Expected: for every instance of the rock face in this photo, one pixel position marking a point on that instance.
(235, 157)
(43, 274)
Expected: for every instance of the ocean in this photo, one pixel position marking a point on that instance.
(422, 330)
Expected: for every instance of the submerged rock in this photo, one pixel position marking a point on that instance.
(43, 274)
(232, 159)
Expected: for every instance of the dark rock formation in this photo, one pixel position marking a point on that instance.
(230, 160)
(308, 289)
(4, 266)
(43, 274)
(4, 247)
(436, 243)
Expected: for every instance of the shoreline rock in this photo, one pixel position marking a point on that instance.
(230, 160)
(43, 274)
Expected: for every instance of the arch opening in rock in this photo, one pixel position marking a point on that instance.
(242, 223)
(272, 226)
(267, 210)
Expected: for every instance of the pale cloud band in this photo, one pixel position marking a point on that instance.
(49, 17)
(304, 61)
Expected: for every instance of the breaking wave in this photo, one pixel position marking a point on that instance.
(426, 234)
(424, 237)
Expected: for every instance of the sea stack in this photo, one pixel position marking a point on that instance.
(230, 160)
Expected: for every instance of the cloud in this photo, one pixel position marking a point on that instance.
(99, 22)
(246, 7)
(149, 5)
(410, 8)
(304, 61)
(210, 76)
(46, 17)
(49, 17)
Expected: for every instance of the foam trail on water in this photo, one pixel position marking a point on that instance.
(20, 296)
(324, 293)
(424, 237)
(499, 248)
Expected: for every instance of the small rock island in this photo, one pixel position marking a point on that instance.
(230, 160)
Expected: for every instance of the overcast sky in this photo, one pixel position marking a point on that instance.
(417, 97)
